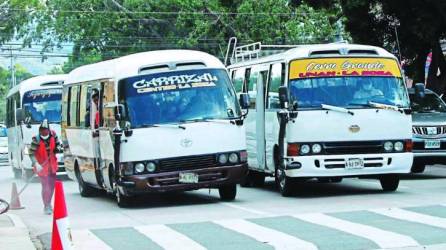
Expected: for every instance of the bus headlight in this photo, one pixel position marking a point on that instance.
(151, 167)
(398, 146)
(305, 149)
(222, 159)
(139, 168)
(388, 146)
(233, 158)
(316, 148)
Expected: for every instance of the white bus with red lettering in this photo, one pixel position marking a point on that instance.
(153, 122)
(323, 111)
(27, 104)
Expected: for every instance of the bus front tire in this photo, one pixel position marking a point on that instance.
(228, 192)
(284, 183)
(17, 173)
(84, 189)
(124, 201)
(418, 168)
(389, 183)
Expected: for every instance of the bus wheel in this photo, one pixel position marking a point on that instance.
(228, 192)
(84, 189)
(17, 173)
(389, 182)
(283, 182)
(26, 174)
(418, 168)
(122, 199)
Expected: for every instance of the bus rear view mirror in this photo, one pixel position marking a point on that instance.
(20, 115)
(120, 113)
(419, 90)
(244, 100)
(283, 97)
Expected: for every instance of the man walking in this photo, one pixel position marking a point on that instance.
(44, 147)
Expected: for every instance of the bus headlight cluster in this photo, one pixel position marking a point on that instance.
(232, 158)
(307, 149)
(139, 168)
(393, 146)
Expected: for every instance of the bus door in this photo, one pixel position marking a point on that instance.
(106, 143)
(256, 119)
(95, 120)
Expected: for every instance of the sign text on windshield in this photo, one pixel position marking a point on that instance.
(175, 82)
(338, 67)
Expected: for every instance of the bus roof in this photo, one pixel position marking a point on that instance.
(38, 82)
(143, 63)
(318, 51)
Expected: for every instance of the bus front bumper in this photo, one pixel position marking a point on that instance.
(335, 165)
(212, 177)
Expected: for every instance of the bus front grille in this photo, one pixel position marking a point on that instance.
(353, 147)
(187, 163)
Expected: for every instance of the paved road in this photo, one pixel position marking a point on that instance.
(355, 214)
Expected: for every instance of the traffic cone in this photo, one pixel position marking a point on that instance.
(61, 235)
(15, 199)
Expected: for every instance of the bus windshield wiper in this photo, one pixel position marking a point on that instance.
(385, 106)
(163, 126)
(336, 108)
(210, 119)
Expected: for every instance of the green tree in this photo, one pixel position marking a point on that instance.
(5, 79)
(420, 25)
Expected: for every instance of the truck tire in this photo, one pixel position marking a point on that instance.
(228, 192)
(389, 183)
(418, 168)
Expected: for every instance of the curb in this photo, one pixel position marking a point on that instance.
(16, 237)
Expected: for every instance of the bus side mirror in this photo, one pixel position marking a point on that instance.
(419, 90)
(20, 115)
(244, 100)
(120, 112)
(283, 97)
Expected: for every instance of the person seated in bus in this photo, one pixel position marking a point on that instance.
(95, 109)
(367, 90)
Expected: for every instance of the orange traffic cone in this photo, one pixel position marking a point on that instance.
(15, 199)
(61, 235)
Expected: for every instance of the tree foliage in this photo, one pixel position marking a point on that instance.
(420, 25)
(104, 29)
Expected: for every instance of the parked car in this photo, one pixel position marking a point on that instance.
(429, 130)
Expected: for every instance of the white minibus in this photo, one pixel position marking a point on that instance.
(28, 103)
(153, 122)
(323, 111)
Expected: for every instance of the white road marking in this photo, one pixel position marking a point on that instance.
(383, 238)
(272, 237)
(254, 211)
(168, 238)
(84, 239)
(402, 214)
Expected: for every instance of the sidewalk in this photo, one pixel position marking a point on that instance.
(13, 233)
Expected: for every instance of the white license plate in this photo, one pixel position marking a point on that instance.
(188, 178)
(355, 163)
(432, 144)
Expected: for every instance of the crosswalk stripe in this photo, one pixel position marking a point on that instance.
(402, 214)
(168, 238)
(383, 238)
(84, 239)
(272, 237)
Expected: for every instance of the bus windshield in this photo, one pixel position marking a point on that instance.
(43, 104)
(347, 82)
(180, 96)
(349, 91)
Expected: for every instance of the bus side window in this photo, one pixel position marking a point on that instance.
(65, 106)
(275, 81)
(252, 88)
(238, 79)
(84, 106)
(74, 102)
